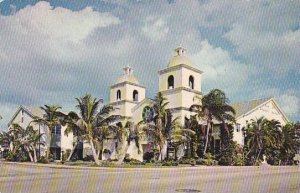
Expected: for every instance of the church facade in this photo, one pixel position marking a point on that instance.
(180, 83)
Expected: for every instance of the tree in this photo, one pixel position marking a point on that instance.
(260, 135)
(126, 133)
(27, 139)
(159, 128)
(194, 134)
(216, 106)
(182, 135)
(94, 125)
(290, 143)
(52, 117)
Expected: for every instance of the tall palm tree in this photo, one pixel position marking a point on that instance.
(216, 106)
(159, 127)
(95, 125)
(52, 117)
(259, 136)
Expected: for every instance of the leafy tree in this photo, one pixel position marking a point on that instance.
(52, 117)
(158, 128)
(260, 136)
(94, 126)
(290, 143)
(126, 132)
(213, 106)
(195, 136)
(27, 139)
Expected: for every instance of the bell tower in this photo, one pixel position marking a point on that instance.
(180, 83)
(126, 93)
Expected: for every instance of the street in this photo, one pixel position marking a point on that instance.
(21, 178)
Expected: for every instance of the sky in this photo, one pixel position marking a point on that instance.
(54, 51)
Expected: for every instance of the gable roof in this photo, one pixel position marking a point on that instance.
(145, 100)
(31, 111)
(243, 108)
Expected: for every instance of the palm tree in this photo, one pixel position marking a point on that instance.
(289, 142)
(158, 127)
(126, 132)
(95, 126)
(216, 106)
(181, 135)
(51, 119)
(259, 136)
(194, 142)
(28, 138)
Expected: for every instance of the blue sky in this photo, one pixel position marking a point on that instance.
(54, 51)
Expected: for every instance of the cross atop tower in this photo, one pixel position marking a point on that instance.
(180, 51)
(127, 70)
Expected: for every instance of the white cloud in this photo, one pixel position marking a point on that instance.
(155, 28)
(56, 33)
(290, 104)
(220, 69)
(53, 54)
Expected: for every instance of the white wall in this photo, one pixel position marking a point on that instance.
(268, 110)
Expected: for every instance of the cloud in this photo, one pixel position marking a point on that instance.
(53, 52)
(217, 65)
(53, 32)
(155, 28)
(290, 104)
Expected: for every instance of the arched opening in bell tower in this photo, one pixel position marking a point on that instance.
(171, 82)
(191, 82)
(118, 95)
(135, 95)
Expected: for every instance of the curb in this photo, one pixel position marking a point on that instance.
(97, 168)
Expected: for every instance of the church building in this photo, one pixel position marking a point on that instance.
(180, 83)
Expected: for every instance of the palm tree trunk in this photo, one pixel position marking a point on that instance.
(72, 151)
(30, 156)
(257, 156)
(206, 142)
(34, 154)
(49, 146)
(94, 152)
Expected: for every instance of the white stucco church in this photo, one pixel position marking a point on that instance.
(180, 82)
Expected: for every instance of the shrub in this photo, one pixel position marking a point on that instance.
(11, 156)
(169, 163)
(88, 158)
(107, 151)
(207, 160)
(107, 164)
(127, 157)
(148, 156)
(238, 160)
(192, 162)
(43, 160)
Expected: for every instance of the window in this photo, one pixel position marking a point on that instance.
(22, 116)
(118, 95)
(171, 82)
(191, 82)
(238, 127)
(135, 95)
(57, 130)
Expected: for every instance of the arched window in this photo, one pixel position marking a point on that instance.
(135, 95)
(171, 82)
(191, 82)
(118, 95)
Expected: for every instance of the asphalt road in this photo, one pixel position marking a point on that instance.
(20, 178)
